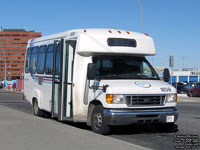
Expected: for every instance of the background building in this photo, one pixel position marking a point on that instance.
(13, 44)
(185, 75)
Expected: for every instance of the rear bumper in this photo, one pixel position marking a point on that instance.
(127, 116)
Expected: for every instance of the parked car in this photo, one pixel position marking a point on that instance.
(1, 84)
(190, 85)
(180, 87)
(194, 90)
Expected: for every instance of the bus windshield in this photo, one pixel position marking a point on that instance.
(123, 67)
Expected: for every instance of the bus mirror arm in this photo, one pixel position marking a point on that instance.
(105, 88)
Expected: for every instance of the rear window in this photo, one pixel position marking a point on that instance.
(121, 42)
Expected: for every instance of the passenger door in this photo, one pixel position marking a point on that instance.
(56, 79)
(63, 80)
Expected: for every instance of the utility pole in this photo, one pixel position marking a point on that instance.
(141, 13)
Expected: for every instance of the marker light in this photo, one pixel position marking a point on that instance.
(85, 30)
(119, 32)
(109, 98)
(109, 31)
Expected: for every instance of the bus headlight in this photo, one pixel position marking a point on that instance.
(171, 98)
(119, 99)
(115, 99)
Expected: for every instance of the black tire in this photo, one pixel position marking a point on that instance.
(188, 94)
(165, 127)
(36, 110)
(98, 122)
(191, 94)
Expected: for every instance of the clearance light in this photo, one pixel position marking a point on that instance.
(73, 84)
(85, 30)
(109, 31)
(109, 98)
(119, 32)
(127, 32)
(146, 34)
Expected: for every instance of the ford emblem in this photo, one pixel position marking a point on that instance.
(143, 84)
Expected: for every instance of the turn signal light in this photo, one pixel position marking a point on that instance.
(109, 98)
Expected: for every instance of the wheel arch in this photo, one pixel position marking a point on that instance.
(36, 94)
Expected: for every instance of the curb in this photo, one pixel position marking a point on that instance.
(182, 95)
(15, 92)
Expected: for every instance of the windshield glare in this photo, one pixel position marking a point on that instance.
(123, 68)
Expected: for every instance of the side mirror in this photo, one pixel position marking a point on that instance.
(166, 75)
(91, 71)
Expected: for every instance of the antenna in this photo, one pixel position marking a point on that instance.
(141, 13)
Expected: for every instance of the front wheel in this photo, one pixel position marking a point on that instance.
(166, 127)
(191, 94)
(99, 124)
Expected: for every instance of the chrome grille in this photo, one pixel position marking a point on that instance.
(149, 100)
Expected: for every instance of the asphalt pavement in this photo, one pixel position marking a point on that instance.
(19, 129)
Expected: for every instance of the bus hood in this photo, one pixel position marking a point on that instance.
(137, 87)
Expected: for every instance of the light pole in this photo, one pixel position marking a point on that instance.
(141, 13)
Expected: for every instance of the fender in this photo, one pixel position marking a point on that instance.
(38, 95)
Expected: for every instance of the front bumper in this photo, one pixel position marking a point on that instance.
(130, 116)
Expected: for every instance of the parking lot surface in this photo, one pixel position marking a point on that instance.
(19, 129)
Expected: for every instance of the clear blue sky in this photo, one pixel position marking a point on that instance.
(174, 24)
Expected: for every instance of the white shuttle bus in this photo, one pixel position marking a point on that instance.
(100, 77)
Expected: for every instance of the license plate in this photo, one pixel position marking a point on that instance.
(170, 119)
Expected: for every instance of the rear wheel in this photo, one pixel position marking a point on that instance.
(36, 110)
(99, 124)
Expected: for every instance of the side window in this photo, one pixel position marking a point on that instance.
(28, 56)
(33, 62)
(41, 59)
(58, 59)
(146, 70)
(49, 60)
